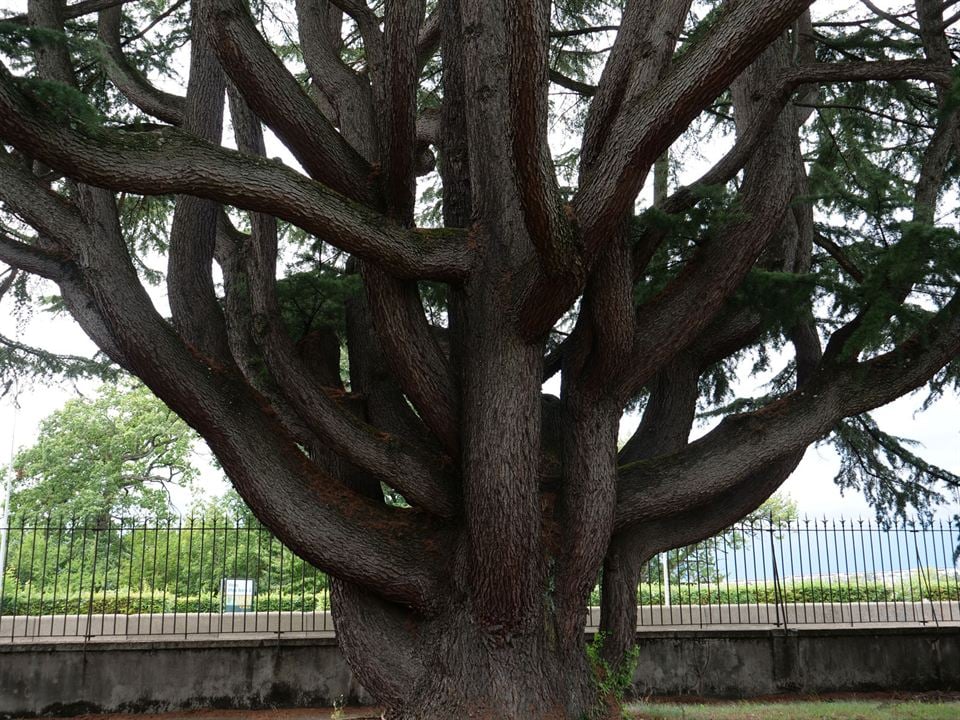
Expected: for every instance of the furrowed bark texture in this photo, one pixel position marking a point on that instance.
(464, 515)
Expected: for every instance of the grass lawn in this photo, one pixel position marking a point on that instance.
(810, 710)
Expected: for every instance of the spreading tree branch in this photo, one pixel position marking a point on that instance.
(743, 444)
(194, 305)
(646, 125)
(128, 79)
(347, 92)
(422, 480)
(398, 121)
(276, 96)
(171, 161)
(75, 10)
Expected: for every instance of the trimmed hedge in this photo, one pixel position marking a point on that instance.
(132, 602)
(815, 591)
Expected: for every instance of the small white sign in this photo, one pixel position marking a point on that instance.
(236, 595)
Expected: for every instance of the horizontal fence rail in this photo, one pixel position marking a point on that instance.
(210, 576)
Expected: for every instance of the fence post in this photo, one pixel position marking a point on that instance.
(5, 493)
(93, 578)
(777, 595)
(666, 579)
(922, 571)
(4, 522)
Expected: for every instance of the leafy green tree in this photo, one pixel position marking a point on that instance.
(822, 241)
(117, 454)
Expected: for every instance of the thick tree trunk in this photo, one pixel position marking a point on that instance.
(469, 603)
(618, 596)
(454, 666)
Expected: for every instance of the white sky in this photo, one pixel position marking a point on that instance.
(810, 486)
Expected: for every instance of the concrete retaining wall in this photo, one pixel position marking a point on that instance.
(715, 663)
(70, 678)
(75, 678)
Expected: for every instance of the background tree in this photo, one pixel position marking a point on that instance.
(700, 563)
(117, 454)
(818, 242)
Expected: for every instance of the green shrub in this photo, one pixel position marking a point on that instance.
(130, 602)
(914, 589)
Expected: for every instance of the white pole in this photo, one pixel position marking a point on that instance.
(666, 579)
(5, 497)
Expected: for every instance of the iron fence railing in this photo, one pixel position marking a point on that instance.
(201, 576)
(808, 572)
(183, 577)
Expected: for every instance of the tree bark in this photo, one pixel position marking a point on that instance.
(454, 666)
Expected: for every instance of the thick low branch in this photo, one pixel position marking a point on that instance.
(276, 96)
(543, 301)
(413, 354)
(647, 125)
(128, 79)
(75, 10)
(743, 444)
(366, 625)
(347, 92)
(29, 258)
(397, 122)
(581, 88)
(194, 306)
(170, 161)
(694, 524)
(314, 514)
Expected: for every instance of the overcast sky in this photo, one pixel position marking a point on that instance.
(811, 486)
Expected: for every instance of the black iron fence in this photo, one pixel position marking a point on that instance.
(199, 576)
(808, 572)
(184, 577)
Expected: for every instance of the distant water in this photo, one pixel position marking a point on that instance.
(818, 549)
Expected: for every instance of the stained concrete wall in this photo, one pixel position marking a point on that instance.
(70, 678)
(74, 678)
(715, 663)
